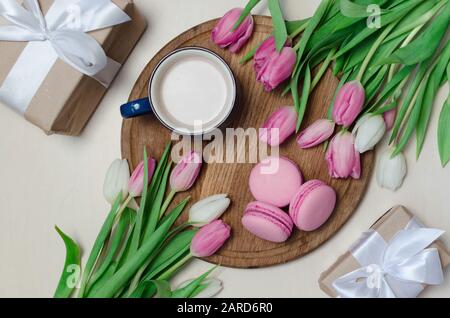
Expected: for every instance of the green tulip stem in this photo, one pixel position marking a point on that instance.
(171, 270)
(122, 208)
(323, 69)
(373, 50)
(167, 202)
(392, 70)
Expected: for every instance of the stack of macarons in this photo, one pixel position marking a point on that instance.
(275, 183)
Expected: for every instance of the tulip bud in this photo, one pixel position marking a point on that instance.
(283, 120)
(316, 133)
(265, 51)
(136, 183)
(391, 171)
(208, 209)
(368, 131)
(342, 158)
(207, 289)
(224, 35)
(277, 68)
(210, 238)
(185, 172)
(348, 104)
(389, 118)
(116, 180)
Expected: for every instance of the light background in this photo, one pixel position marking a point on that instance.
(48, 180)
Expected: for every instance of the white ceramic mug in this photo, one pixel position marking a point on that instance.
(191, 91)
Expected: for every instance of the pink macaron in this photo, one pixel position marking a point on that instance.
(267, 222)
(312, 205)
(275, 180)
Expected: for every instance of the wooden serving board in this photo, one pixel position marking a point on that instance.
(255, 105)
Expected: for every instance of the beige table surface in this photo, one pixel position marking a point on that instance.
(58, 180)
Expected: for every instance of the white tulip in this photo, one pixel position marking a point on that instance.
(213, 287)
(116, 180)
(368, 130)
(391, 171)
(208, 209)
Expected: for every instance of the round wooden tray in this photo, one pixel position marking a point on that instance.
(243, 249)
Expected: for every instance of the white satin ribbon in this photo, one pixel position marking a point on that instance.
(397, 268)
(60, 34)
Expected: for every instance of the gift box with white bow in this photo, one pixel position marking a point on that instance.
(398, 257)
(58, 57)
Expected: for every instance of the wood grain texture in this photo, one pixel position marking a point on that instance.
(245, 250)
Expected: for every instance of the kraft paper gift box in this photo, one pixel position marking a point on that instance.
(387, 226)
(66, 98)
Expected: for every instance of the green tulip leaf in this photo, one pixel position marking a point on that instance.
(354, 10)
(176, 247)
(159, 287)
(305, 96)
(409, 99)
(433, 85)
(312, 25)
(391, 87)
(247, 10)
(374, 84)
(102, 236)
(136, 237)
(413, 118)
(444, 133)
(417, 17)
(155, 211)
(102, 280)
(189, 289)
(72, 267)
(117, 239)
(426, 44)
(279, 27)
(294, 25)
(339, 65)
(357, 55)
(158, 184)
(129, 268)
(391, 17)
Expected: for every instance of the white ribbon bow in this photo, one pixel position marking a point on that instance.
(63, 30)
(397, 268)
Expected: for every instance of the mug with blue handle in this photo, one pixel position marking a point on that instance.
(191, 91)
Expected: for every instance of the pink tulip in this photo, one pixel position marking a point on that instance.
(224, 35)
(279, 126)
(342, 158)
(348, 104)
(185, 172)
(277, 68)
(264, 51)
(210, 238)
(136, 183)
(389, 118)
(315, 134)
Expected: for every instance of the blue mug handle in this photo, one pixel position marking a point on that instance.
(136, 108)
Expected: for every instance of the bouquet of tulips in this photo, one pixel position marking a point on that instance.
(392, 56)
(137, 251)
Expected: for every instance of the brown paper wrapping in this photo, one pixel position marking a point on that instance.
(67, 98)
(387, 226)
